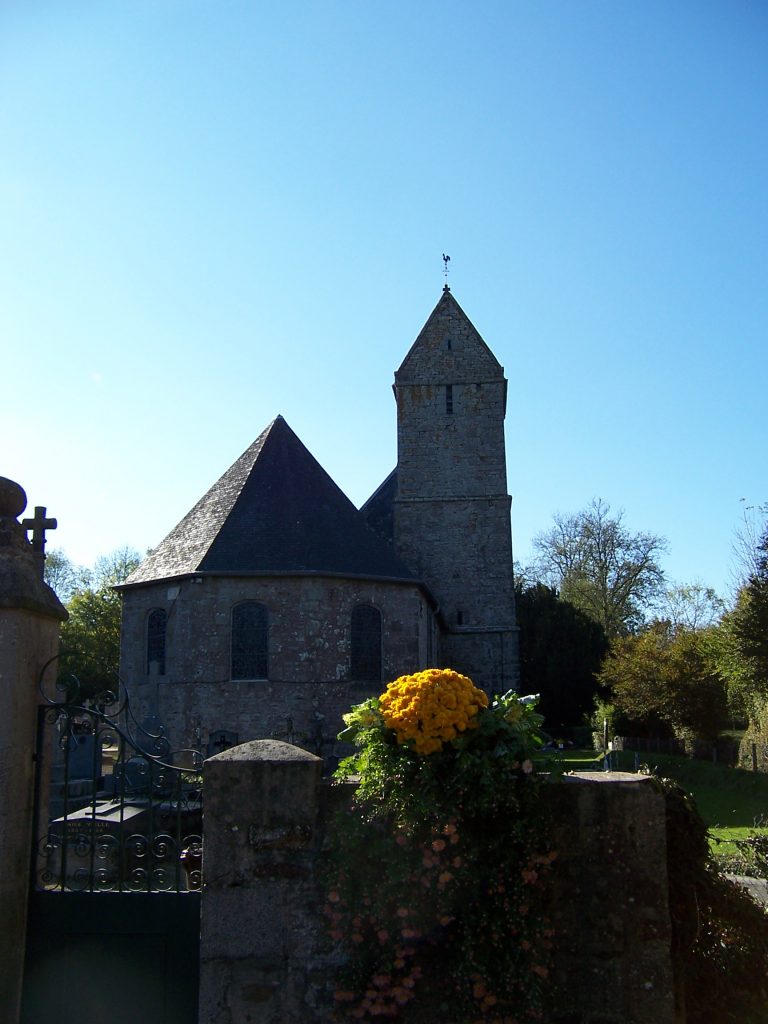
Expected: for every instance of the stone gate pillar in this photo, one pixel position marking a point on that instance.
(30, 616)
(262, 950)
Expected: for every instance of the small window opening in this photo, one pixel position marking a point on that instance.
(366, 644)
(250, 629)
(449, 399)
(156, 626)
(459, 618)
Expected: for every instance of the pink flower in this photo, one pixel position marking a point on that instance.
(527, 766)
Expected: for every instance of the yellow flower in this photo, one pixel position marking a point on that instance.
(431, 708)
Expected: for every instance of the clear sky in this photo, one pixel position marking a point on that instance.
(214, 212)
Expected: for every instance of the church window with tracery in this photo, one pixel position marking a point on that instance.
(250, 628)
(365, 662)
(156, 627)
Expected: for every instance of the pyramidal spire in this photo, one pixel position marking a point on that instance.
(275, 510)
(449, 346)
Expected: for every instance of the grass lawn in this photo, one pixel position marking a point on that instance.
(730, 800)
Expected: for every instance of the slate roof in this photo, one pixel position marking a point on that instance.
(379, 510)
(275, 510)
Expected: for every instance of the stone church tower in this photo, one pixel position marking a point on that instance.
(451, 506)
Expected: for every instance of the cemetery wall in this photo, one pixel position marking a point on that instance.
(265, 957)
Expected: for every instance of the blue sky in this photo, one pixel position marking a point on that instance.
(212, 213)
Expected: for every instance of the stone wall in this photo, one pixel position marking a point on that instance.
(265, 957)
(309, 652)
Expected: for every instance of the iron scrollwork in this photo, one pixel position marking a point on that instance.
(118, 810)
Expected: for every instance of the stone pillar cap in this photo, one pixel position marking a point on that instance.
(13, 498)
(264, 750)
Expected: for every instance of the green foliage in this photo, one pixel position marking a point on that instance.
(665, 677)
(435, 876)
(754, 849)
(719, 934)
(755, 735)
(602, 568)
(606, 718)
(739, 646)
(91, 635)
(63, 576)
(561, 650)
(461, 779)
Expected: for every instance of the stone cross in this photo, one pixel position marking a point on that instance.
(38, 525)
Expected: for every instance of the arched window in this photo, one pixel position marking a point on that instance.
(156, 623)
(250, 626)
(365, 662)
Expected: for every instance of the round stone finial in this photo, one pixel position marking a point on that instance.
(13, 498)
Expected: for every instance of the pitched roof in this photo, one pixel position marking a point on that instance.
(379, 509)
(275, 510)
(449, 347)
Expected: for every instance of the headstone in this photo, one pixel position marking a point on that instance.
(220, 741)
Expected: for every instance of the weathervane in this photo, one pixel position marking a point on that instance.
(446, 261)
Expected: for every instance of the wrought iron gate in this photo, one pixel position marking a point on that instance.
(116, 865)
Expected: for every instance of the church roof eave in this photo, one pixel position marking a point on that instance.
(405, 581)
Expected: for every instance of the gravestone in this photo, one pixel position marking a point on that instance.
(220, 741)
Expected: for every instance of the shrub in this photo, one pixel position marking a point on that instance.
(435, 879)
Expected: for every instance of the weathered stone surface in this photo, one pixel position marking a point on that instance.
(265, 953)
(261, 931)
(451, 509)
(309, 654)
(609, 900)
(30, 614)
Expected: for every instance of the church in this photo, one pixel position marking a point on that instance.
(275, 604)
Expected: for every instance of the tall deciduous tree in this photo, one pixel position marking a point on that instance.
(692, 606)
(63, 576)
(598, 565)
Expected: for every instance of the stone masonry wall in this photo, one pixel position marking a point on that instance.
(265, 956)
(490, 658)
(309, 653)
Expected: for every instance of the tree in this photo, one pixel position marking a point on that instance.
(692, 606)
(561, 650)
(63, 576)
(598, 565)
(91, 635)
(742, 642)
(665, 677)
